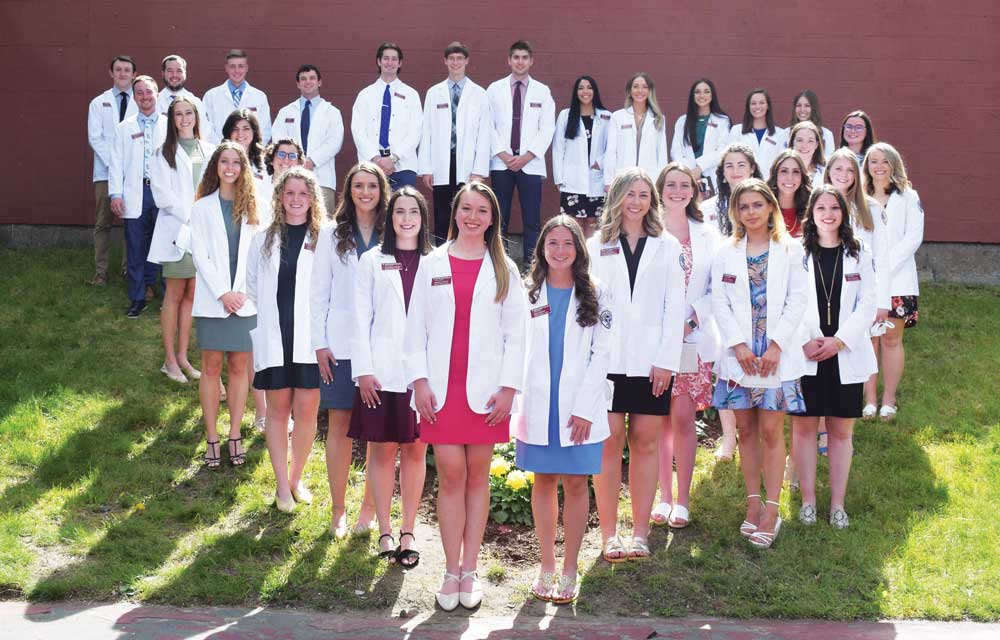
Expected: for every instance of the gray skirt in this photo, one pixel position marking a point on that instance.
(231, 333)
(183, 268)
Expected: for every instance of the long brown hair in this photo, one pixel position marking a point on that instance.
(245, 201)
(855, 196)
(493, 235)
(611, 221)
(278, 226)
(586, 291)
(810, 234)
(801, 197)
(346, 215)
(723, 188)
(775, 223)
(693, 208)
(424, 245)
(169, 148)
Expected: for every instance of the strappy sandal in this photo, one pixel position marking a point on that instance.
(407, 558)
(748, 528)
(614, 545)
(764, 539)
(212, 462)
(680, 512)
(390, 553)
(541, 588)
(236, 458)
(887, 413)
(567, 589)
(639, 550)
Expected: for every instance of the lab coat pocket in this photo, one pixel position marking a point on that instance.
(258, 349)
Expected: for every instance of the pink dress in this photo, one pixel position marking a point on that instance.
(456, 422)
(698, 385)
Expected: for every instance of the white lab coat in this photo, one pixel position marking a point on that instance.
(765, 151)
(496, 335)
(326, 136)
(876, 242)
(573, 170)
(716, 139)
(786, 305)
(905, 233)
(332, 297)
(472, 133)
(828, 143)
(219, 104)
(538, 123)
(173, 191)
(857, 308)
(584, 391)
(709, 211)
(125, 171)
(649, 322)
(262, 289)
(405, 124)
(210, 250)
(166, 97)
(705, 241)
(621, 152)
(102, 118)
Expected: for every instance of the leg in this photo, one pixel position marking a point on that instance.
(771, 427)
(367, 512)
(477, 501)
(576, 508)
(238, 363)
(259, 399)
(643, 468)
(685, 446)
(608, 483)
(151, 271)
(529, 194)
(804, 430)
(666, 475)
(279, 405)
(208, 391)
(382, 480)
(338, 462)
(871, 385)
(545, 511)
(841, 452)
(503, 187)
(412, 472)
(451, 471)
(893, 360)
(750, 460)
(169, 315)
(184, 324)
(103, 221)
(136, 260)
(305, 404)
(728, 444)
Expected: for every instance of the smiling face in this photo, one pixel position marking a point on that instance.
(827, 215)
(754, 211)
(236, 70)
(585, 92)
(520, 62)
(702, 95)
(854, 131)
(789, 176)
(406, 220)
(736, 167)
(805, 143)
(879, 167)
(174, 75)
(638, 199)
(242, 134)
(758, 106)
(309, 84)
(677, 190)
(803, 109)
(474, 215)
(364, 192)
(389, 64)
(184, 119)
(145, 97)
(842, 175)
(230, 166)
(295, 198)
(456, 63)
(639, 90)
(286, 156)
(122, 73)
(560, 250)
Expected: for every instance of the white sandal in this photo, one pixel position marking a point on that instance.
(764, 539)
(887, 413)
(614, 545)
(748, 528)
(869, 412)
(680, 512)
(472, 598)
(448, 601)
(661, 514)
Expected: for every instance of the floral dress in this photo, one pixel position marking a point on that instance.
(697, 385)
(787, 397)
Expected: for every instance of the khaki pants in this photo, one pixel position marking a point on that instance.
(104, 220)
(330, 198)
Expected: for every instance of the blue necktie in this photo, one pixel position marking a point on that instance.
(237, 95)
(383, 130)
(304, 126)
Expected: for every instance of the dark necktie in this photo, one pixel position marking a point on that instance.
(456, 93)
(515, 127)
(122, 106)
(383, 130)
(304, 126)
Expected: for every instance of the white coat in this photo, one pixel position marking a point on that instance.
(332, 297)
(716, 139)
(649, 322)
(905, 233)
(538, 123)
(876, 242)
(173, 191)
(583, 382)
(857, 308)
(125, 171)
(621, 152)
(496, 335)
(786, 305)
(379, 320)
(705, 241)
(166, 97)
(405, 124)
(210, 250)
(472, 134)
(573, 170)
(326, 136)
(765, 151)
(102, 118)
(262, 289)
(219, 104)
(709, 211)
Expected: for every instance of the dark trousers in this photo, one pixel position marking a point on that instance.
(138, 236)
(401, 179)
(443, 195)
(529, 194)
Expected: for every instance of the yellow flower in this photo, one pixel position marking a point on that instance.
(499, 467)
(531, 477)
(517, 480)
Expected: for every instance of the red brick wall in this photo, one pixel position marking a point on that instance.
(925, 71)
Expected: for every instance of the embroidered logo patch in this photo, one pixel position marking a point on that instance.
(771, 140)
(437, 282)
(713, 125)
(252, 108)
(626, 126)
(540, 311)
(309, 246)
(106, 104)
(606, 318)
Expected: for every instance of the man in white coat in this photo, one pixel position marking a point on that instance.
(236, 93)
(455, 144)
(174, 75)
(386, 120)
(316, 125)
(105, 112)
(136, 138)
(524, 119)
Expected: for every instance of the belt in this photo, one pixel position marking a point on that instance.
(145, 182)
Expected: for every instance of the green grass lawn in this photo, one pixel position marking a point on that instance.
(102, 494)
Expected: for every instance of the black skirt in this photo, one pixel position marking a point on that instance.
(825, 396)
(635, 395)
(288, 376)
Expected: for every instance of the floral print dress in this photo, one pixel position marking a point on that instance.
(697, 385)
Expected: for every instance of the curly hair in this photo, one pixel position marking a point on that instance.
(693, 208)
(611, 221)
(278, 227)
(245, 202)
(810, 233)
(346, 215)
(587, 309)
(273, 149)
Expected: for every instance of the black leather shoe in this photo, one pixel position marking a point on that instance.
(136, 309)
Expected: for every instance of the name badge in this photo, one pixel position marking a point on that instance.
(535, 105)
(729, 278)
(852, 277)
(771, 140)
(605, 116)
(713, 125)
(136, 136)
(106, 104)
(252, 108)
(443, 105)
(309, 246)
(399, 95)
(392, 266)
(436, 282)
(610, 251)
(289, 120)
(626, 126)
(540, 311)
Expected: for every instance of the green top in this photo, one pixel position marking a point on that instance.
(700, 128)
(233, 233)
(193, 149)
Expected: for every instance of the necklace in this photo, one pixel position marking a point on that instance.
(401, 255)
(822, 281)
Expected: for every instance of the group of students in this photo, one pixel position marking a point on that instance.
(643, 302)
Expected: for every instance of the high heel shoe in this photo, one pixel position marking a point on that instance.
(283, 505)
(473, 597)
(302, 494)
(448, 601)
(764, 539)
(748, 528)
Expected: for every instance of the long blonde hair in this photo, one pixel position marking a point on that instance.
(493, 235)
(775, 223)
(651, 103)
(855, 196)
(316, 213)
(245, 201)
(611, 221)
(898, 180)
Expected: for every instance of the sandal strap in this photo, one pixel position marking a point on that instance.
(451, 577)
(777, 504)
(406, 533)
(470, 574)
(753, 495)
(385, 535)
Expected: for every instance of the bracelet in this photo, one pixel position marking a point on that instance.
(840, 344)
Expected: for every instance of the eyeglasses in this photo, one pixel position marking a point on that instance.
(857, 128)
(286, 155)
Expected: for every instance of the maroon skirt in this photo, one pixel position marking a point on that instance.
(391, 421)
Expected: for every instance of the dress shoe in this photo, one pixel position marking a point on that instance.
(136, 309)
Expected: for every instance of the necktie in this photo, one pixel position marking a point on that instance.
(515, 127)
(456, 93)
(122, 105)
(237, 96)
(383, 130)
(147, 145)
(304, 126)
(172, 98)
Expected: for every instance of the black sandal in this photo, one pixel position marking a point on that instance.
(210, 461)
(407, 558)
(236, 459)
(390, 553)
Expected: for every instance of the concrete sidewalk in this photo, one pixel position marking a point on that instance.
(77, 621)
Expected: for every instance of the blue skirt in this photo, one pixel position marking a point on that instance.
(339, 394)
(581, 459)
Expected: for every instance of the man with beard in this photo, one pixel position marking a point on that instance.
(174, 74)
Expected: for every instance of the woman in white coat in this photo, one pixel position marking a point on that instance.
(637, 134)
(578, 149)
(806, 139)
(279, 272)
(758, 298)
(468, 301)
(223, 221)
(857, 133)
(382, 415)
(887, 183)
(175, 173)
(736, 164)
(805, 108)
(758, 130)
(641, 266)
(840, 288)
(789, 182)
(563, 418)
(701, 134)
